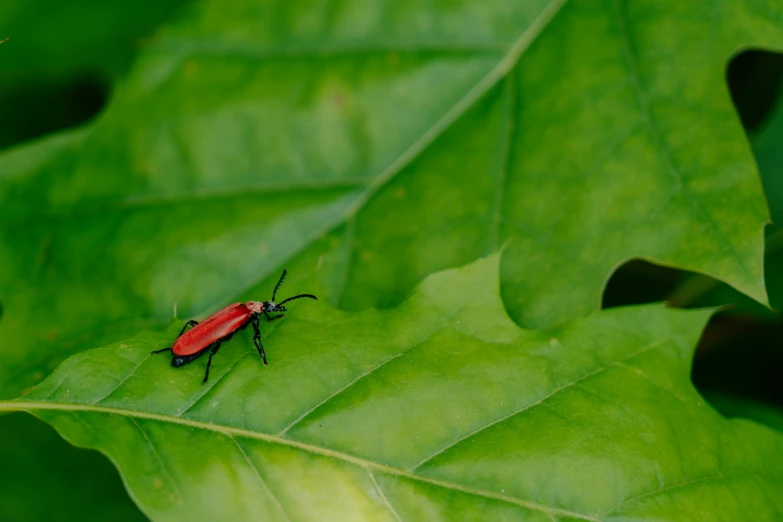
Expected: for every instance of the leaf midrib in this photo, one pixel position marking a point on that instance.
(230, 431)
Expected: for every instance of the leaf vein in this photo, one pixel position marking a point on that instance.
(506, 151)
(157, 456)
(123, 380)
(658, 491)
(189, 47)
(349, 246)
(213, 385)
(257, 473)
(383, 496)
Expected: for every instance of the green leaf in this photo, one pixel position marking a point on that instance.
(45, 478)
(441, 409)
(383, 145)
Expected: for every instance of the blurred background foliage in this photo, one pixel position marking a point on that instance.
(67, 57)
(60, 75)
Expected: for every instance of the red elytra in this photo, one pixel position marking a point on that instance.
(222, 325)
(215, 327)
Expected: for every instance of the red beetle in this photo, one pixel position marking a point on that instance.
(221, 326)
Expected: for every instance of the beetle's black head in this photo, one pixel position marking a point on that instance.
(178, 361)
(271, 306)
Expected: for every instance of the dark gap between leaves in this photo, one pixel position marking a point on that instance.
(32, 110)
(739, 359)
(755, 79)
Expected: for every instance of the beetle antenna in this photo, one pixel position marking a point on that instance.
(280, 282)
(311, 296)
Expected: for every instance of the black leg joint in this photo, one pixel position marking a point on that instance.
(209, 362)
(189, 323)
(257, 341)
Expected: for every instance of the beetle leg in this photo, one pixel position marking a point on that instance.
(160, 351)
(270, 318)
(209, 362)
(189, 323)
(257, 340)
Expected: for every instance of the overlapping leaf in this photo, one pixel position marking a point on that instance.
(45, 478)
(442, 409)
(387, 142)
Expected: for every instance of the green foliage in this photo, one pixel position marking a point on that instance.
(441, 409)
(699, 290)
(366, 146)
(54, 48)
(248, 139)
